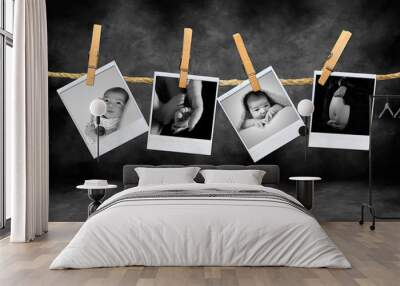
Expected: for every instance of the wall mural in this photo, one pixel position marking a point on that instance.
(293, 37)
(182, 120)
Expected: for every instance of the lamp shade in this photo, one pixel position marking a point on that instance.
(305, 107)
(98, 107)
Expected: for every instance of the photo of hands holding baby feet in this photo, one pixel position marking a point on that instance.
(189, 110)
(182, 119)
(185, 112)
(174, 109)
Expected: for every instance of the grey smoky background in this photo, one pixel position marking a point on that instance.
(294, 37)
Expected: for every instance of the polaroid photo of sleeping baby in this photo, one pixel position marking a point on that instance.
(123, 119)
(341, 117)
(182, 120)
(264, 120)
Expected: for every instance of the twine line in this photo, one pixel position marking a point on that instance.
(222, 82)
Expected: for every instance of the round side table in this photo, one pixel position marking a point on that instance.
(95, 194)
(305, 190)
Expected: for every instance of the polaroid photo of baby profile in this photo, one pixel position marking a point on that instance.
(123, 119)
(264, 120)
(182, 120)
(341, 117)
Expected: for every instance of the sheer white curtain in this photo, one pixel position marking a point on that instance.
(27, 122)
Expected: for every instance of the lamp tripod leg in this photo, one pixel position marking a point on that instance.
(98, 137)
(372, 213)
(362, 215)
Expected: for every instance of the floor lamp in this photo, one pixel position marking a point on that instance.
(305, 109)
(96, 188)
(98, 108)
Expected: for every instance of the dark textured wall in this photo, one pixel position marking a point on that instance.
(293, 36)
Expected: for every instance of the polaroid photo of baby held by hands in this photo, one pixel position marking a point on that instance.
(265, 120)
(182, 120)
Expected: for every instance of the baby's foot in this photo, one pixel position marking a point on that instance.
(181, 119)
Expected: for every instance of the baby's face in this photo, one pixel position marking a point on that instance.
(115, 102)
(258, 106)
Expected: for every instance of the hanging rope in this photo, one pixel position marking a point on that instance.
(222, 82)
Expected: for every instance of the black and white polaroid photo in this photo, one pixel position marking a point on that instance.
(123, 119)
(341, 117)
(182, 120)
(264, 120)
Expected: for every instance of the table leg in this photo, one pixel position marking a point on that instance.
(305, 193)
(95, 196)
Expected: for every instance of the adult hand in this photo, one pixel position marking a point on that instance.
(167, 110)
(195, 101)
(181, 121)
(336, 125)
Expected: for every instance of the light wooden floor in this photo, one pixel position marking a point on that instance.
(375, 257)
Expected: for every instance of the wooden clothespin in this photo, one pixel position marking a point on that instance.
(93, 55)
(334, 56)
(248, 66)
(184, 67)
